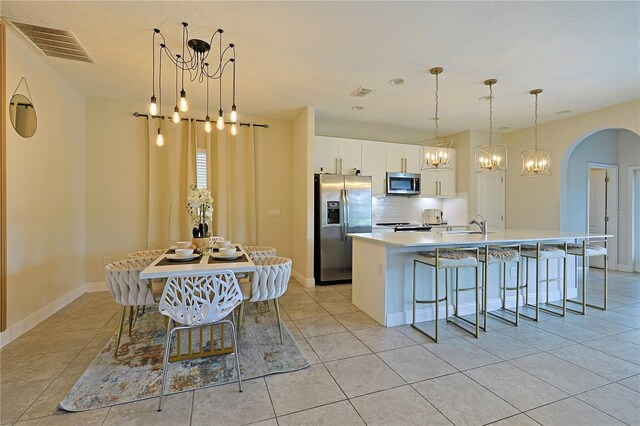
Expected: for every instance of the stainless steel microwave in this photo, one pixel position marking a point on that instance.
(403, 183)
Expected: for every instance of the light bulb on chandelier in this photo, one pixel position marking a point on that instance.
(176, 115)
(207, 125)
(184, 106)
(234, 114)
(153, 106)
(234, 129)
(159, 138)
(220, 121)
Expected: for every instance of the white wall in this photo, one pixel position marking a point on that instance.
(46, 188)
(302, 196)
(117, 175)
(601, 147)
(538, 202)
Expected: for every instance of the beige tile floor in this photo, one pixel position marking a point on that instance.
(571, 371)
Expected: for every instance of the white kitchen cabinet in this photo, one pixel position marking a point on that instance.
(337, 155)
(412, 158)
(374, 164)
(395, 157)
(440, 183)
(404, 158)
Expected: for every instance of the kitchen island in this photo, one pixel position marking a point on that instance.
(383, 269)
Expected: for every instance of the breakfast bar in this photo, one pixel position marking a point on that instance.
(383, 269)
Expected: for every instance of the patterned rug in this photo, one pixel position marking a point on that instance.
(136, 374)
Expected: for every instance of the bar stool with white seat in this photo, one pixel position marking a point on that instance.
(586, 249)
(444, 259)
(501, 255)
(541, 252)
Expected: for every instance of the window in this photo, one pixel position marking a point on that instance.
(201, 168)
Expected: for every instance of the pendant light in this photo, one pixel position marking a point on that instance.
(207, 120)
(159, 137)
(176, 111)
(435, 152)
(491, 158)
(538, 161)
(193, 58)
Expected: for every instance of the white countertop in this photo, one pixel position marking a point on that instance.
(435, 239)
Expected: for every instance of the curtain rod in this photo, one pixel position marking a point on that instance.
(265, 126)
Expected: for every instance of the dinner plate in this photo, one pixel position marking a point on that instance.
(177, 258)
(222, 257)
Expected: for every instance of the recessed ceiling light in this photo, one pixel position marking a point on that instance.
(564, 111)
(504, 128)
(357, 108)
(396, 81)
(484, 98)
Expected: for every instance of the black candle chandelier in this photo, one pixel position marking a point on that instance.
(194, 59)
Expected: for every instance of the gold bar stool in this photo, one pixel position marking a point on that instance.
(538, 253)
(501, 255)
(444, 259)
(585, 250)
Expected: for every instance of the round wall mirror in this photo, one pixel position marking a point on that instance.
(23, 115)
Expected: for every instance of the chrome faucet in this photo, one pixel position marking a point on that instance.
(482, 224)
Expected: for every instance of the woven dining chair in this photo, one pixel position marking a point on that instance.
(269, 282)
(147, 253)
(260, 251)
(193, 301)
(123, 282)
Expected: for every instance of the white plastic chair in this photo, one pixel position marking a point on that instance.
(269, 282)
(147, 253)
(194, 301)
(123, 282)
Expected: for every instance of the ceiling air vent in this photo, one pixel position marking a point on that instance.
(54, 42)
(361, 92)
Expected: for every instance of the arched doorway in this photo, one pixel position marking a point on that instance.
(598, 190)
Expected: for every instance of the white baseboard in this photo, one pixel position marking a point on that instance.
(624, 267)
(304, 281)
(467, 308)
(18, 329)
(95, 286)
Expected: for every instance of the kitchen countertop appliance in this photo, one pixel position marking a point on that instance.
(433, 216)
(342, 205)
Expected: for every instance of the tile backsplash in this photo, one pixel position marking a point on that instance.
(410, 209)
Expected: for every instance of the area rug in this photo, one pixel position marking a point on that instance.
(136, 373)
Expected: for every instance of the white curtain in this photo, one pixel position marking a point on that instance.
(232, 181)
(172, 169)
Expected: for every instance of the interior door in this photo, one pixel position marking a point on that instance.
(597, 208)
(491, 199)
(636, 219)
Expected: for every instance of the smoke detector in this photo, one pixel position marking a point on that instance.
(53, 42)
(361, 92)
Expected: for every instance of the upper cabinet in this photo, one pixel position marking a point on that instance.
(440, 183)
(374, 164)
(403, 158)
(337, 155)
(375, 159)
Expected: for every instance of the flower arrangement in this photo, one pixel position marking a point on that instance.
(200, 208)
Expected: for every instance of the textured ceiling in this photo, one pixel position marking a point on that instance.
(585, 55)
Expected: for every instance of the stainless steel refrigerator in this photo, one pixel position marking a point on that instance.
(342, 206)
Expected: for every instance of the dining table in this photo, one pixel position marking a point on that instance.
(195, 346)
